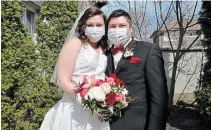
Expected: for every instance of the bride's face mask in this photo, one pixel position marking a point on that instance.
(95, 28)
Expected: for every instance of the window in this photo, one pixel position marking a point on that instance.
(197, 32)
(198, 43)
(192, 33)
(30, 21)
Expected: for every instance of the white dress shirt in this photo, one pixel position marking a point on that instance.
(118, 56)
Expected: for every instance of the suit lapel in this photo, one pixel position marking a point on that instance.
(120, 63)
(110, 63)
(122, 59)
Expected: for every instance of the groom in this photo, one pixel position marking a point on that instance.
(140, 66)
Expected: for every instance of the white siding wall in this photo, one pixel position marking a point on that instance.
(189, 67)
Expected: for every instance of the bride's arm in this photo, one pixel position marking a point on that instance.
(66, 64)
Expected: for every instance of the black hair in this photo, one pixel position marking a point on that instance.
(118, 13)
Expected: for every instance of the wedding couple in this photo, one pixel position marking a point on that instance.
(98, 47)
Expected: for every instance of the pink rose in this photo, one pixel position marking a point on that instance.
(110, 80)
(120, 98)
(106, 87)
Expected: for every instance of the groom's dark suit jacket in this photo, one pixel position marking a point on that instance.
(146, 83)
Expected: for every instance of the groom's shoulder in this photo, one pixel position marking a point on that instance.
(144, 44)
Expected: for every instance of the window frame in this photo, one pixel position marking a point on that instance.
(32, 8)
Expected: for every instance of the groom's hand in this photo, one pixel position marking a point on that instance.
(104, 116)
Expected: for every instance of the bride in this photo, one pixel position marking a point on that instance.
(81, 55)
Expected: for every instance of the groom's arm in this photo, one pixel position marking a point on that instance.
(156, 90)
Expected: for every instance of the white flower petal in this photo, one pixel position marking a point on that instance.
(98, 93)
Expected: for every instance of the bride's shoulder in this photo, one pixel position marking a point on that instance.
(74, 43)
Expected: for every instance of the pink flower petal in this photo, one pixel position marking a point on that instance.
(86, 86)
(93, 80)
(83, 92)
(110, 80)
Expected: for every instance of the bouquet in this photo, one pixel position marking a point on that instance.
(103, 96)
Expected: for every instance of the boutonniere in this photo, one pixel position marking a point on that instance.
(128, 53)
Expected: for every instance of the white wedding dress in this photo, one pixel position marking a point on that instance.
(67, 114)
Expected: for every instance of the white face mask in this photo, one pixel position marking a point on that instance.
(94, 34)
(117, 36)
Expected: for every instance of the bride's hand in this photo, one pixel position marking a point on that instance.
(72, 91)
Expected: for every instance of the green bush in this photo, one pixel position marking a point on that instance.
(53, 25)
(23, 90)
(204, 100)
(203, 94)
(27, 67)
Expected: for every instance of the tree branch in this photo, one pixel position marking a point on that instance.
(189, 22)
(121, 4)
(182, 53)
(187, 83)
(143, 15)
(167, 30)
(129, 6)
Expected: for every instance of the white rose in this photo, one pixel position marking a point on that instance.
(96, 93)
(125, 92)
(106, 88)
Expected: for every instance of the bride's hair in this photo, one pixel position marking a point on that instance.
(80, 30)
(100, 4)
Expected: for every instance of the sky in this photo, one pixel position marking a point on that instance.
(150, 11)
(113, 5)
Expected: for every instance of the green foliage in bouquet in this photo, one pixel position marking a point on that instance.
(93, 106)
(203, 94)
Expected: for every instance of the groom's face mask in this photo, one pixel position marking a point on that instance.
(117, 36)
(119, 31)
